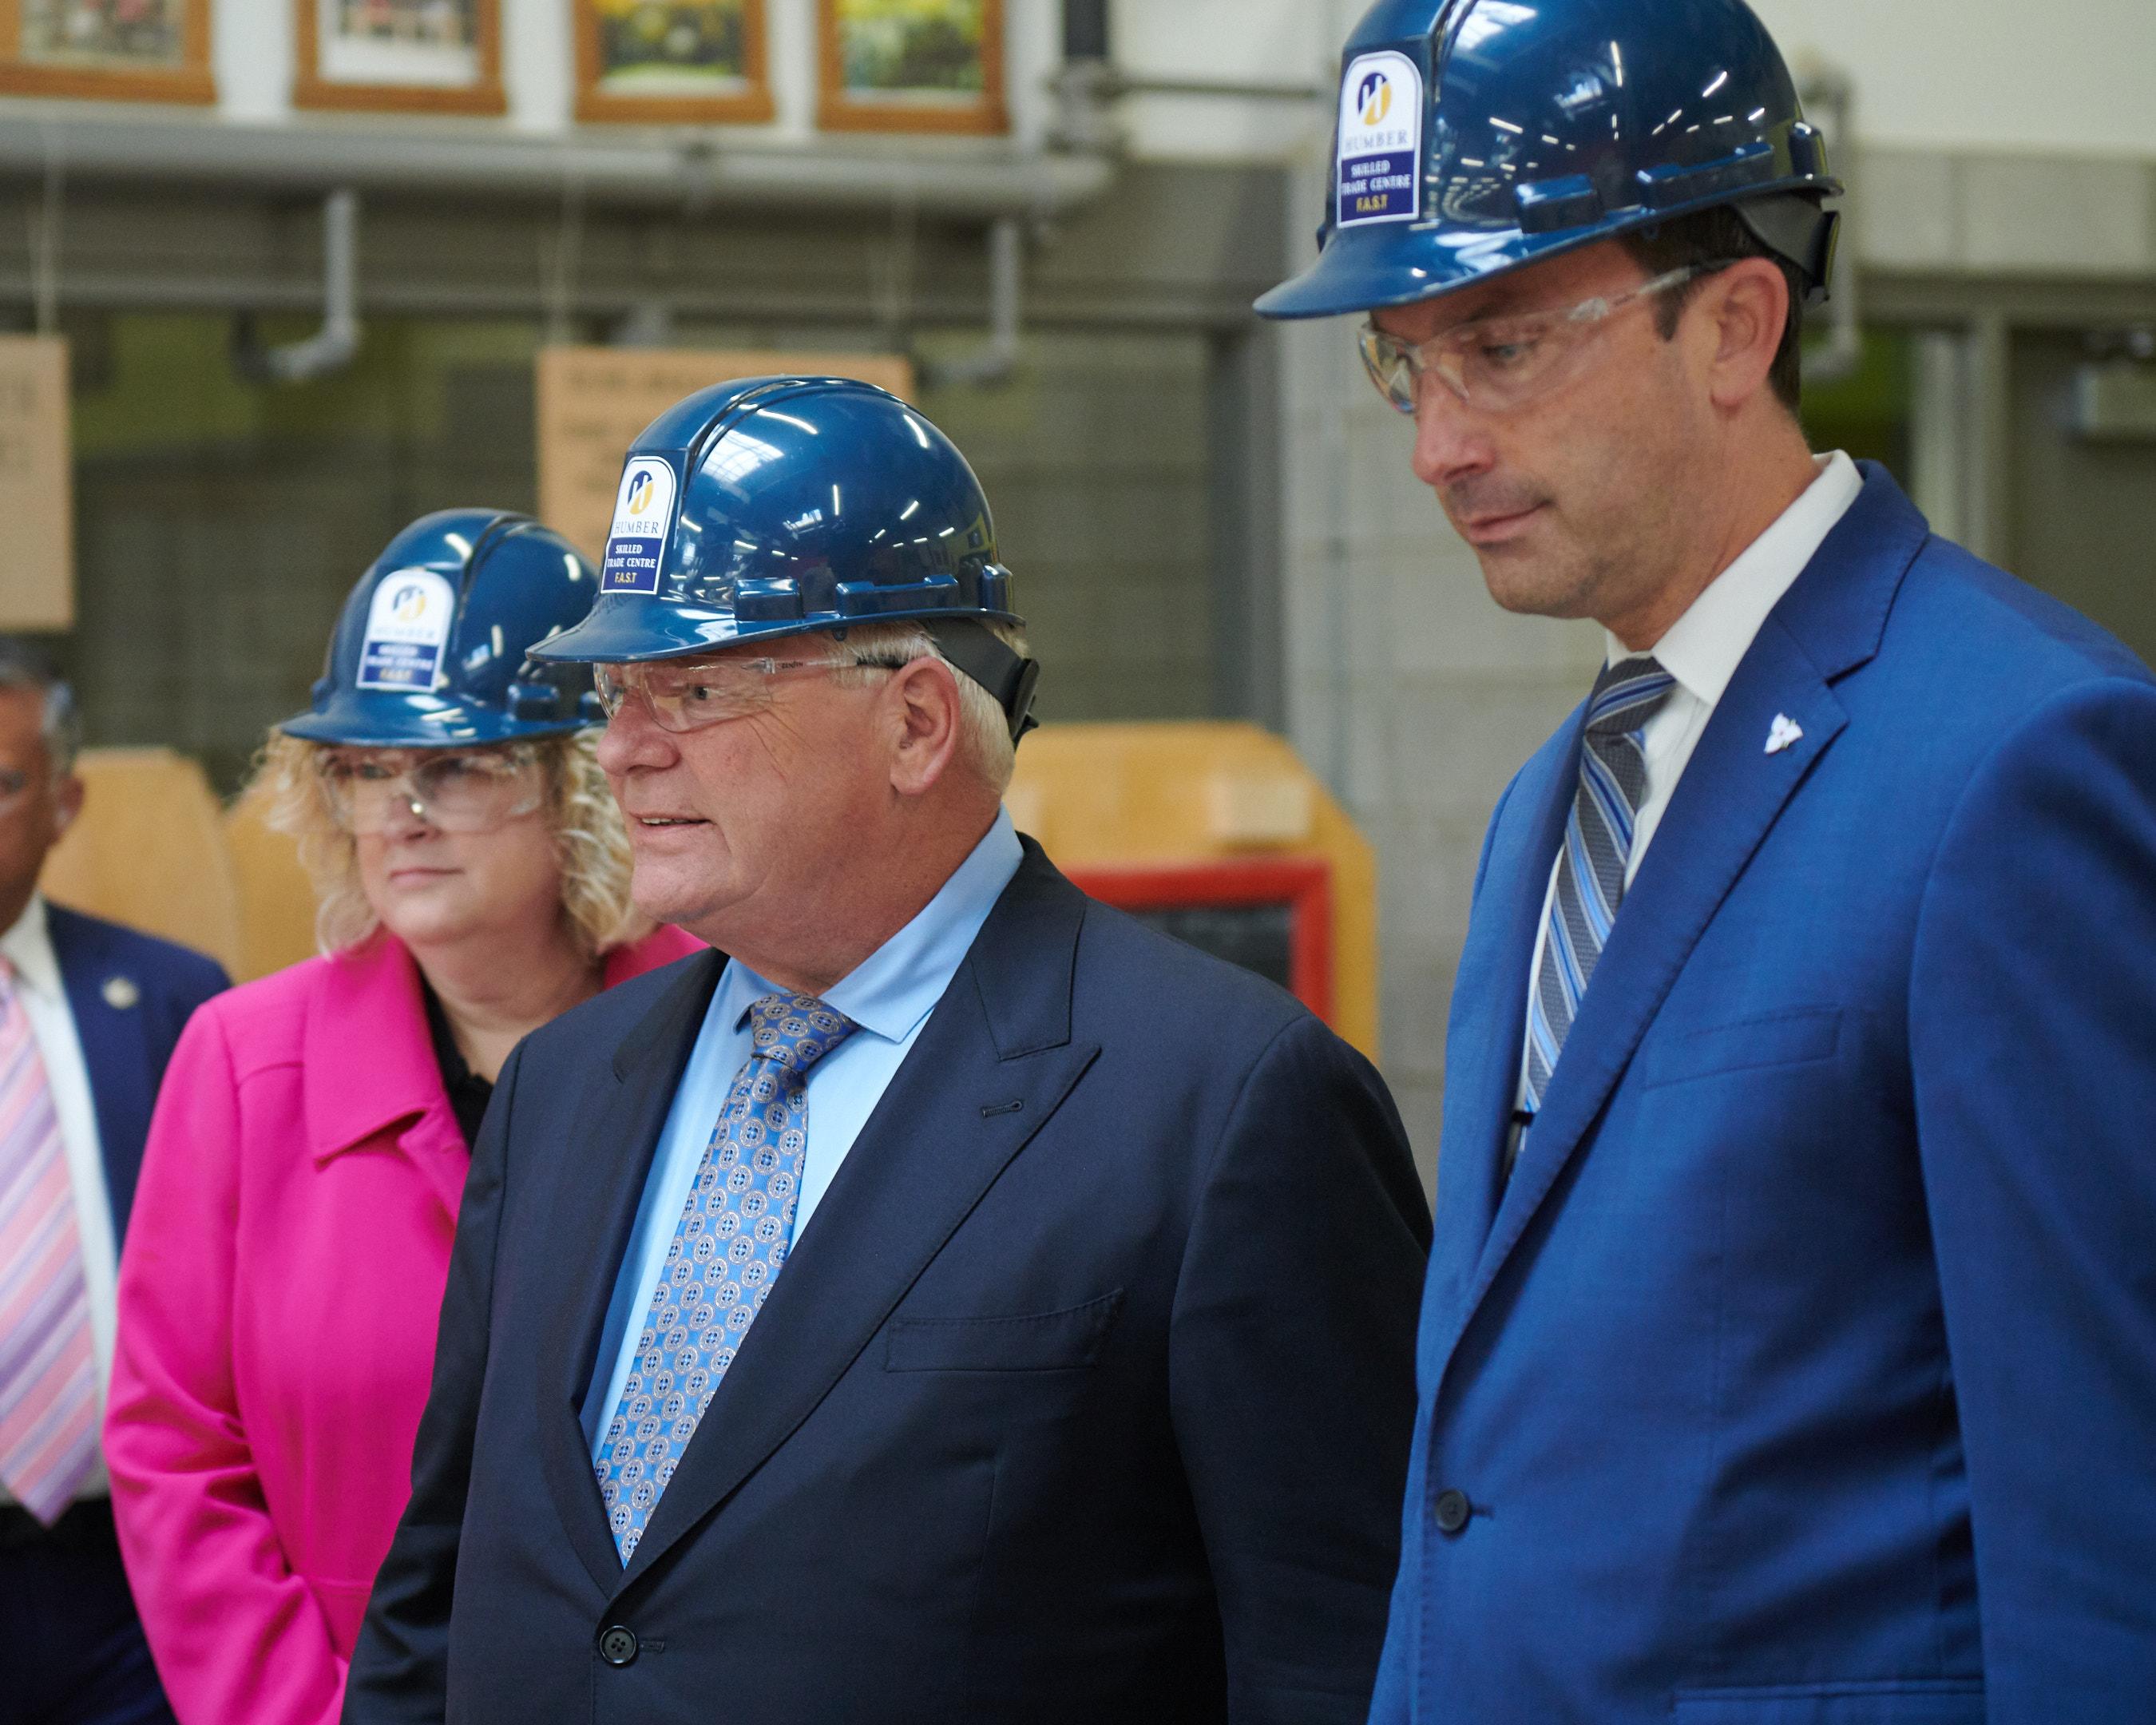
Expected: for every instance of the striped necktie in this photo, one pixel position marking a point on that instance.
(732, 1240)
(48, 1371)
(1590, 869)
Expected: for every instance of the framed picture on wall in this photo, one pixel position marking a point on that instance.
(111, 50)
(672, 62)
(430, 56)
(912, 65)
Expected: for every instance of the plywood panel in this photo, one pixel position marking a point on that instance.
(148, 850)
(37, 484)
(594, 400)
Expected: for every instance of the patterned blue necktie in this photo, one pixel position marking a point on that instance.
(728, 1249)
(1597, 844)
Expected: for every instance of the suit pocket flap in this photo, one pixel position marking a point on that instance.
(1944, 1700)
(1782, 1039)
(1037, 1341)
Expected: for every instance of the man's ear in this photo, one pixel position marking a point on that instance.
(67, 801)
(1748, 307)
(927, 721)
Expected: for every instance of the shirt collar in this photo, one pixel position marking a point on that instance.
(27, 947)
(896, 987)
(1703, 648)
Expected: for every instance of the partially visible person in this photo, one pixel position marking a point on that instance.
(278, 1297)
(89, 1013)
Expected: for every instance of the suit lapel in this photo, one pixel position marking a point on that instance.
(116, 1052)
(612, 1138)
(1489, 1017)
(994, 1061)
(1732, 792)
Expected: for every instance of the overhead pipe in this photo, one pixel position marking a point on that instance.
(332, 347)
(995, 362)
(418, 161)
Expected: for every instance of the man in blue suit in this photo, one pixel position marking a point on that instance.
(951, 1301)
(1788, 1348)
(89, 1013)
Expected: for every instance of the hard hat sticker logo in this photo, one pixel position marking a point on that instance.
(1380, 141)
(408, 630)
(642, 511)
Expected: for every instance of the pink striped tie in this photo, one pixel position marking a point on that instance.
(48, 1371)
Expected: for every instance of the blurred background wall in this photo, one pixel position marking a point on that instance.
(1210, 518)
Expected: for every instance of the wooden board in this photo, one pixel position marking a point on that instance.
(149, 850)
(594, 400)
(37, 484)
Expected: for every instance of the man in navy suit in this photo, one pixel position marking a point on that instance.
(1788, 1349)
(89, 1013)
(960, 1302)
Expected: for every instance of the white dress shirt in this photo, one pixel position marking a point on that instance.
(28, 946)
(1701, 650)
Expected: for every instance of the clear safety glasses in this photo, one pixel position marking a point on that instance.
(688, 694)
(456, 791)
(1495, 364)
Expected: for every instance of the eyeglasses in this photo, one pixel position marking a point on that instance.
(1496, 364)
(14, 785)
(468, 791)
(687, 697)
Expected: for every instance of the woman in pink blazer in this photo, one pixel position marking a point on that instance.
(291, 1233)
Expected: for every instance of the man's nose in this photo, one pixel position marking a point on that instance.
(1451, 441)
(633, 738)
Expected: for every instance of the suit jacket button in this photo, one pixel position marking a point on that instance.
(618, 1646)
(1451, 1511)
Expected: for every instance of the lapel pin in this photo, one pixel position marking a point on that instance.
(1785, 731)
(121, 992)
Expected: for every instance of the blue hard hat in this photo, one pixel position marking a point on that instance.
(433, 647)
(1475, 136)
(775, 506)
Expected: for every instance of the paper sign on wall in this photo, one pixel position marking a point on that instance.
(592, 403)
(37, 486)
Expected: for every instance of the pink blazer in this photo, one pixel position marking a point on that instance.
(278, 1296)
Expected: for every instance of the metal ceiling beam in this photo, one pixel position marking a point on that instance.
(648, 173)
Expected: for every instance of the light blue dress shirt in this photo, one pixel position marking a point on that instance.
(889, 995)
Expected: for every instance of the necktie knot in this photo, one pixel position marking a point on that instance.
(796, 1030)
(1626, 695)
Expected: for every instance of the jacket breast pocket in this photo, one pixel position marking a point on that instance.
(1064, 1340)
(1789, 1038)
(1941, 1701)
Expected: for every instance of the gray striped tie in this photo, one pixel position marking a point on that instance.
(1591, 871)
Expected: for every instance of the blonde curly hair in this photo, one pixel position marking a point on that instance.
(591, 843)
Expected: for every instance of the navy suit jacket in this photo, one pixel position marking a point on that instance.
(127, 1034)
(1804, 1372)
(1085, 1396)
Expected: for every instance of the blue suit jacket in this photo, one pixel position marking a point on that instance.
(127, 1035)
(1084, 1398)
(1805, 1372)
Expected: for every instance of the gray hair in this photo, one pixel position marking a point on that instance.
(985, 746)
(23, 666)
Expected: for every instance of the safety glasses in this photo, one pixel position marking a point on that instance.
(687, 695)
(1496, 364)
(454, 791)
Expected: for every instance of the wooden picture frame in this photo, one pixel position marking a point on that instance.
(110, 74)
(402, 74)
(614, 89)
(974, 103)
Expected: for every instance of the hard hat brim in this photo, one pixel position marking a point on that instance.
(629, 632)
(382, 719)
(1363, 272)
